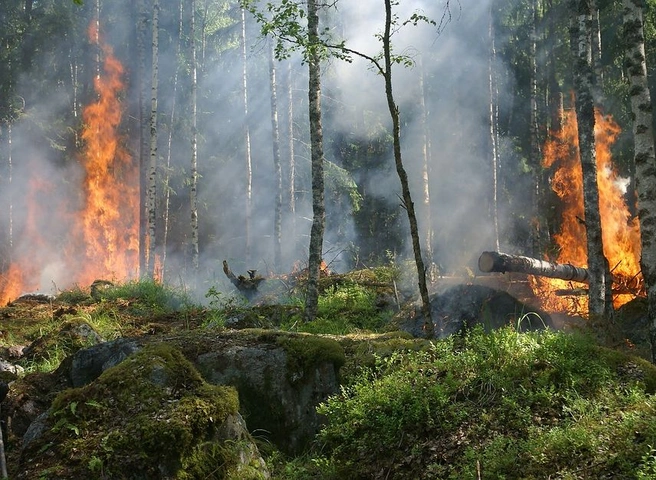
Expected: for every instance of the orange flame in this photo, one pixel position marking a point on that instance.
(102, 239)
(109, 220)
(620, 231)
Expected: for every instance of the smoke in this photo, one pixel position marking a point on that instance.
(453, 61)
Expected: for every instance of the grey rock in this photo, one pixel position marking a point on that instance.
(88, 363)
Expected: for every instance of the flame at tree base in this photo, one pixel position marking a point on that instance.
(620, 230)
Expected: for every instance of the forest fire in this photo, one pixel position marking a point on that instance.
(621, 233)
(109, 220)
(102, 222)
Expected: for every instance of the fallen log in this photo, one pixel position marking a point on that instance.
(502, 263)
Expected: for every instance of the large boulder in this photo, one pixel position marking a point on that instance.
(281, 378)
(151, 416)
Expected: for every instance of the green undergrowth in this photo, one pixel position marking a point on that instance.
(500, 405)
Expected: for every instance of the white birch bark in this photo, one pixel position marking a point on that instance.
(275, 131)
(152, 166)
(494, 150)
(599, 303)
(645, 159)
(247, 139)
(291, 188)
(195, 250)
(169, 143)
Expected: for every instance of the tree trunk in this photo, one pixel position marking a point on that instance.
(195, 250)
(316, 147)
(277, 217)
(429, 327)
(291, 188)
(494, 147)
(152, 167)
(247, 139)
(502, 263)
(143, 148)
(426, 157)
(600, 302)
(595, 38)
(554, 95)
(645, 158)
(169, 143)
(536, 154)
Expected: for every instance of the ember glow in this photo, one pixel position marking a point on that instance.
(620, 231)
(101, 240)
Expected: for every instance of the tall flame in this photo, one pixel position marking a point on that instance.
(620, 231)
(109, 220)
(102, 235)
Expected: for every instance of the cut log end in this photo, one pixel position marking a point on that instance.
(486, 262)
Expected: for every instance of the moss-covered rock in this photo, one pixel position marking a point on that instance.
(281, 379)
(152, 416)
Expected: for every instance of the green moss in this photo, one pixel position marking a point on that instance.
(141, 419)
(305, 352)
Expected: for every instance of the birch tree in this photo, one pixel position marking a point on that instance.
(535, 154)
(152, 167)
(316, 147)
(494, 126)
(425, 176)
(599, 303)
(284, 25)
(291, 187)
(144, 245)
(275, 131)
(644, 157)
(247, 136)
(195, 251)
(169, 143)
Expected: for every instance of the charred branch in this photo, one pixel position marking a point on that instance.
(247, 285)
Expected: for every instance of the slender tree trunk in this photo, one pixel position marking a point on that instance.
(277, 217)
(169, 144)
(10, 181)
(645, 159)
(536, 154)
(595, 39)
(316, 147)
(290, 142)
(247, 139)
(494, 148)
(555, 96)
(426, 156)
(194, 142)
(429, 327)
(144, 246)
(599, 304)
(152, 167)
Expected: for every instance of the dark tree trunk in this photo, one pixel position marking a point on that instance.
(316, 146)
(429, 327)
